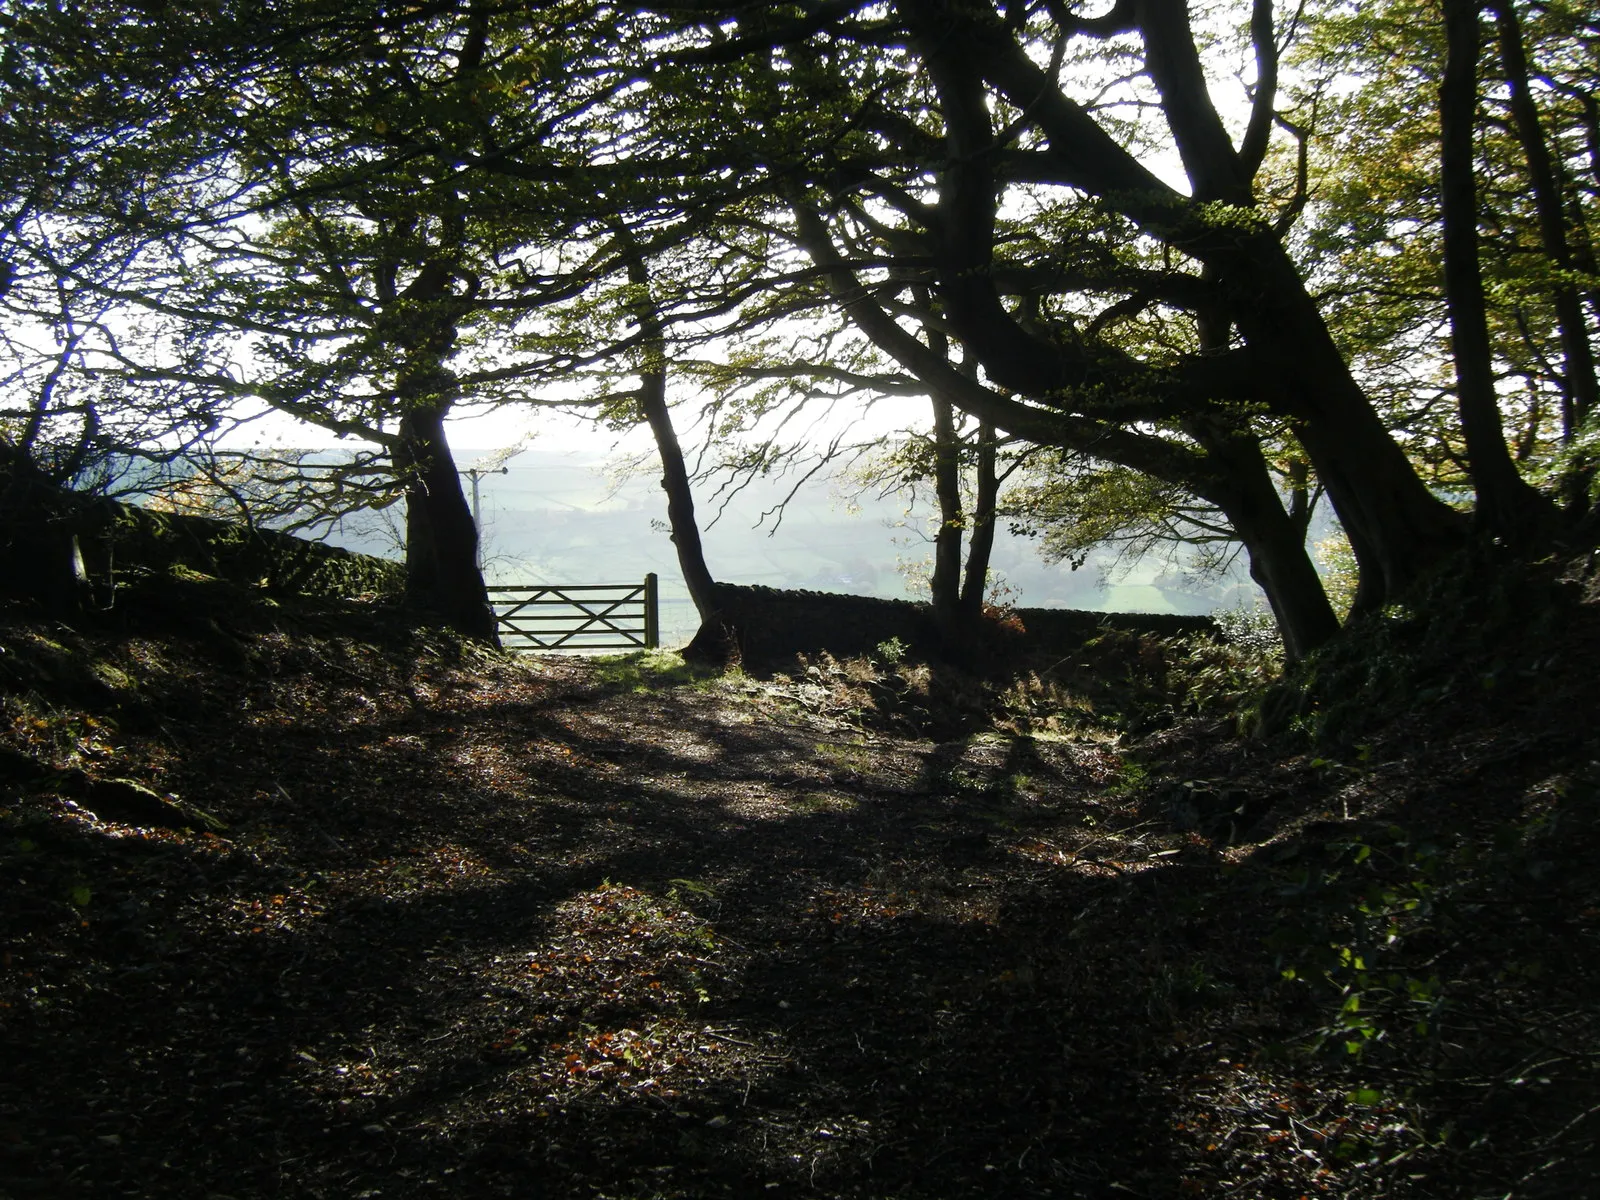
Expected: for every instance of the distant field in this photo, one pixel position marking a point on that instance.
(558, 518)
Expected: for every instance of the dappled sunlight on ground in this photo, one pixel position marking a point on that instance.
(493, 928)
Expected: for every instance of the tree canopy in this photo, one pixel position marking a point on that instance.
(1229, 257)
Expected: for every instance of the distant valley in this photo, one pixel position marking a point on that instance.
(556, 517)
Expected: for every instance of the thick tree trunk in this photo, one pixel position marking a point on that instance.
(442, 573)
(1274, 537)
(1284, 571)
(1506, 505)
(1275, 541)
(1397, 527)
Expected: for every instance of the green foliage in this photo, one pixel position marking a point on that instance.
(1116, 681)
(619, 906)
(892, 652)
(1222, 677)
(423, 208)
(1347, 940)
(1149, 682)
(1250, 628)
(1373, 231)
(1132, 776)
(1336, 563)
(1074, 507)
(1033, 704)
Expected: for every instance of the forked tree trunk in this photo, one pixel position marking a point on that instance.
(958, 591)
(1397, 528)
(1274, 537)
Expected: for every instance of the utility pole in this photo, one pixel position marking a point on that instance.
(474, 474)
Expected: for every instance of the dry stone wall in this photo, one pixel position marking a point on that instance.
(775, 625)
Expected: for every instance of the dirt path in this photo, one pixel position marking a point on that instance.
(517, 931)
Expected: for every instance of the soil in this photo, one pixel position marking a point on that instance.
(476, 926)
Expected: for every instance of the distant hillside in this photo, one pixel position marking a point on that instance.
(558, 517)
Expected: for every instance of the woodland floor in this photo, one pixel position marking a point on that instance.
(563, 928)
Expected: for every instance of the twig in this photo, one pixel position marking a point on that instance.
(1583, 1116)
(722, 1037)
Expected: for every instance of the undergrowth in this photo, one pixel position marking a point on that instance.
(1369, 971)
(1477, 633)
(1117, 683)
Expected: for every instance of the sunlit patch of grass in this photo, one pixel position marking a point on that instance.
(821, 802)
(679, 888)
(852, 756)
(647, 670)
(113, 677)
(1131, 776)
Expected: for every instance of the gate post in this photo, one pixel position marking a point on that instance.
(652, 616)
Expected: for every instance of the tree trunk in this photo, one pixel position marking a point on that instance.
(1397, 527)
(716, 641)
(1273, 537)
(1506, 505)
(1581, 392)
(945, 583)
(1275, 541)
(980, 545)
(442, 573)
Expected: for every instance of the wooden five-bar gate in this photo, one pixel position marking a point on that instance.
(585, 616)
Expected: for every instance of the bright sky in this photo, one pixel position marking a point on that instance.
(550, 429)
(492, 430)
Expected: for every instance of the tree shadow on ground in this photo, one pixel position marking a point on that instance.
(495, 932)
(830, 981)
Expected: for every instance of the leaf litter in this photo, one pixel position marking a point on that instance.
(477, 926)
